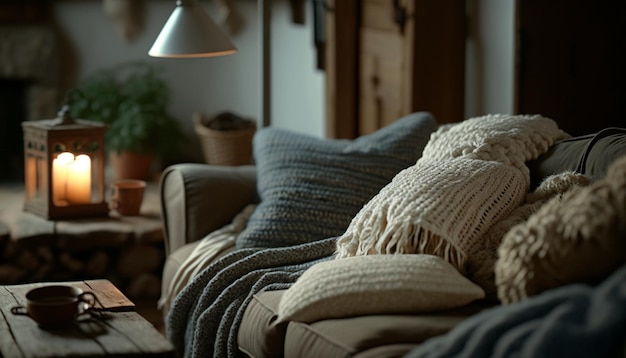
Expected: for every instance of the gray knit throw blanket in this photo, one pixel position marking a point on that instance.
(205, 317)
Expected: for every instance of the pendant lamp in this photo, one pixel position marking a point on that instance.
(189, 32)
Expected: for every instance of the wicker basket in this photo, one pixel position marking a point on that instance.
(225, 147)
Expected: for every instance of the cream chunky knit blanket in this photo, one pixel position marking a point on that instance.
(471, 176)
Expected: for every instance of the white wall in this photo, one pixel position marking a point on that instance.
(489, 61)
(298, 101)
(212, 85)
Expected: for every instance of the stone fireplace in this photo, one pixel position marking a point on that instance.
(29, 87)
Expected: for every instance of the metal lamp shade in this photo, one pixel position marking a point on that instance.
(189, 32)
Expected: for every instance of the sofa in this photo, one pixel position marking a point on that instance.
(497, 236)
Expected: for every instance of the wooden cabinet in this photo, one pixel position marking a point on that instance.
(385, 59)
(384, 71)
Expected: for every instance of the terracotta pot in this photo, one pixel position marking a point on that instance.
(127, 165)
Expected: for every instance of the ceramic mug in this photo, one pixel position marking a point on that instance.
(126, 196)
(55, 304)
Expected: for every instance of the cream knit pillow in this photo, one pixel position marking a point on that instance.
(376, 284)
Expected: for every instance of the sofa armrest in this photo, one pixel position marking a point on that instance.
(197, 199)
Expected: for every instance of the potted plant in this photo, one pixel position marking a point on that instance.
(131, 99)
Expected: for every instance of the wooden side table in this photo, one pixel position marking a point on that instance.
(123, 333)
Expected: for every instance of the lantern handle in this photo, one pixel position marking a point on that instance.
(64, 117)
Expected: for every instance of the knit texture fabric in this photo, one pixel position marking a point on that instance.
(508, 139)
(205, 317)
(470, 176)
(573, 321)
(482, 271)
(311, 188)
(361, 285)
(576, 237)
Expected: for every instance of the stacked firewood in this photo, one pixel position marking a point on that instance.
(132, 261)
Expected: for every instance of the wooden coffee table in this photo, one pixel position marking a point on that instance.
(123, 332)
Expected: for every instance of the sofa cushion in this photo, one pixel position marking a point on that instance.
(310, 188)
(259, 334)
(376, 284)
(589, 154)
(371, 335)
(578, 237)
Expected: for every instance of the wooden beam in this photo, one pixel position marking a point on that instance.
(438, 64)
(342, 51)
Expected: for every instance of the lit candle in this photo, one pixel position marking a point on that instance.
(79, 180)
(59, 177)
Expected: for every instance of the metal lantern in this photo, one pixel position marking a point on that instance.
(64, 167)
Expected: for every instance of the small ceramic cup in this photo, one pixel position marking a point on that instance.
(55, 304)
(126, 196)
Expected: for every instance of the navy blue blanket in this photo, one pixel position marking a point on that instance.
(571, 321)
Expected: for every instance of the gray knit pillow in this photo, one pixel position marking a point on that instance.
(311, 188)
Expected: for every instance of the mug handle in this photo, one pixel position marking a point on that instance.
(19, 310)
(113, 200)
(91, 300)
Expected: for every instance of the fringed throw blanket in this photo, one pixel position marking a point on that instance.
(472, 175)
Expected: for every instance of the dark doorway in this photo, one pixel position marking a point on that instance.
(570, 62)
(13, 111)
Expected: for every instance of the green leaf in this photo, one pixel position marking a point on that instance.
(132, 99)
